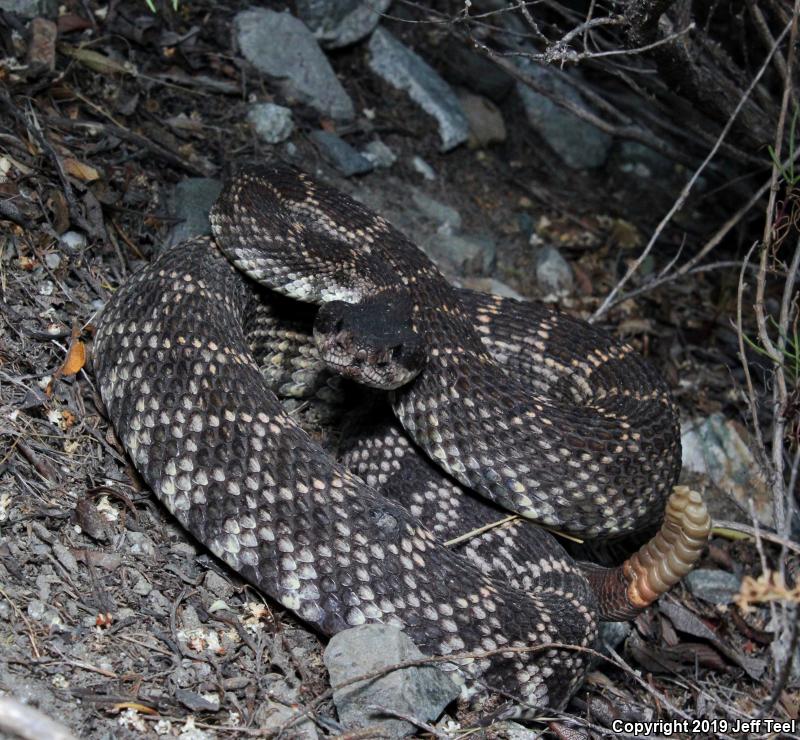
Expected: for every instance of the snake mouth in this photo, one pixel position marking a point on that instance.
(364, 373)
(380, 367)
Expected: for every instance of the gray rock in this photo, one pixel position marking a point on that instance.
(140, 544)
(379, 154)
(189, 618)
(283, 705)
(65, 557)
(282, 47)
(405, 70)
(273, 123)
(441, 214)
(340, 154)
(40, 612)
(643, 161)
(424, 169)
(72, 241)
(218, 585)
(420, 691)
(612, 634)
(197, 703)
(30, 8)
(464, 67)
(36, 609)
(52, 260)
(191, 203)
(525, 224)
(577, 143)
(160, 603)
(714, 586)
(142, 586)
(461, 255)
(184, 550)
(553, 272)
(486, 125)
(714, 446)
(515, 731)
(43, 583)
(337, 23)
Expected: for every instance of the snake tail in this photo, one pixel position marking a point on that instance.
(659, 564)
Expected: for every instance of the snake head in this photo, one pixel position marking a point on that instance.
(372, 342)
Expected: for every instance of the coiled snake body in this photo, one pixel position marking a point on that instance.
(589, 444)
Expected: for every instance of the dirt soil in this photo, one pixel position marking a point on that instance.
(112, 620)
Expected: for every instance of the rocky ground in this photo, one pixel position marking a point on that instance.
(116, 128)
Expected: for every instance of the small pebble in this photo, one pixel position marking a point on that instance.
(424, 169)
(379, 154)
(486, 125)
(184, 550)
(142, 586)
(438, 212)
(273, 123)
(189, 618)
(612, 634)
(340, 154)
(714, 586)
(553, 272)
(66, 558)
(72, 240)
(36, 609)
(52, 260)
(141, 544)
(42, 48)
(218, 585)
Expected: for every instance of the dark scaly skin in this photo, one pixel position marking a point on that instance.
(598, 467)
(188, 402)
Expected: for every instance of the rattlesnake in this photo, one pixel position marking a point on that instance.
(589, 445)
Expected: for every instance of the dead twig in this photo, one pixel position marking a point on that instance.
(632, 132)
(157, 150)
(773, 456)
(687, 189)
(75, 214)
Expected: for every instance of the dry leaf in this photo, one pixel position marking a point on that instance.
(767, 587)
(76, 358)
(96, 61)
(82, 171)
(68, 420)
